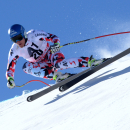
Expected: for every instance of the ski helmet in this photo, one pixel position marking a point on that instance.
(17, 32)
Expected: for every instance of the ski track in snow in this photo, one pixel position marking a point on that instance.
(99, 102)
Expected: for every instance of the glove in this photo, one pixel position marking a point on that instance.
(55, 48)
(10, 83)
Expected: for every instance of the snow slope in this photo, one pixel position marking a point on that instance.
(99, 102)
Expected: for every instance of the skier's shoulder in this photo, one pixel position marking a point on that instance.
(14, 50)
(36, 33)
(30, 33)
(14, 47)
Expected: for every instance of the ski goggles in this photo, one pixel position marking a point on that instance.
(17, 38)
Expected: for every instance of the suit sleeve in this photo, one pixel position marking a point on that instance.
(12, 59)
(52, 38)
(41, 36)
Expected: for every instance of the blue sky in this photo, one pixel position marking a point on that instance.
(71, 21)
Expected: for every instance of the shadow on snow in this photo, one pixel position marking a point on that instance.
(92, 82)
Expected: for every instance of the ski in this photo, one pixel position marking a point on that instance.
(81, 77)
(66, 84)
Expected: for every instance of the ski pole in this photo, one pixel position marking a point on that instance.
(94, 38)
(33, 81)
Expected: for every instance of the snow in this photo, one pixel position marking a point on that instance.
(99, 102)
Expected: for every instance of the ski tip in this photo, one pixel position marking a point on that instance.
(61, 89)
(29, 99)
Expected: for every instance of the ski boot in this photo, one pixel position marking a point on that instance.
(58, 76)
(93, 62)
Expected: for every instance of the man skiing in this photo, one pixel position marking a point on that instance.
(43, 59)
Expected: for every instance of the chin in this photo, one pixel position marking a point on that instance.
(21, 46)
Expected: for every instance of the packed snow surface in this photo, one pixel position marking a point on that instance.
(99, 102)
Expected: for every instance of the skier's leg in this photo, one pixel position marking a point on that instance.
(72, 63)
(60, 63)
(68, 63)
(78, 62)
(38, 70)
(56, 58)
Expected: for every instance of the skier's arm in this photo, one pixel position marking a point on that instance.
(11, 67)
(12, 59)
(53, 38)
(43, 36)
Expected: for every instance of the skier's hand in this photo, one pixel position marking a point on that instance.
(55, 48)
(10, 83)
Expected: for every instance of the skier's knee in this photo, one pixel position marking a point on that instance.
(25, 67)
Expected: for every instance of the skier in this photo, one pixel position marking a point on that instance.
(43, 59)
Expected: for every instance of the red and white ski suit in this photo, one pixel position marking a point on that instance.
(40, 61)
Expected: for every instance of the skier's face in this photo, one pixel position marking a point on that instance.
(21, 43)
